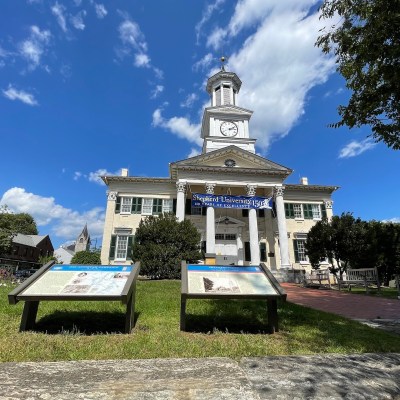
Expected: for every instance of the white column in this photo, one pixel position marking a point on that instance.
(253, 230)
(239, 244)
(283, 238)
(180, 202)
(210, 223)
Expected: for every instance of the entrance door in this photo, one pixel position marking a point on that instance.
(226, 252)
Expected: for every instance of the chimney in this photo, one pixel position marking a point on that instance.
(124, 171)
(304, 180)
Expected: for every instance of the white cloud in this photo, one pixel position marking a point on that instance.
(96, 176)
(142, 60)
(77, 20)
(355, 148)
(33, 48)
(395, 220)
(14, 94)
(156, 91)
(193, 152)
(131, 35)
(216, 38)
(101, 11)
(65, 223)
(204, 63)
(278, 62)
(207, 13)
(179, 126)
(77, 2)
(77, 175)
(58, 11)
(189, 101)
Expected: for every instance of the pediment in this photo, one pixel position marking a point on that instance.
(242, 158)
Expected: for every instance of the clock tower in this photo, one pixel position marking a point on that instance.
(224, 123)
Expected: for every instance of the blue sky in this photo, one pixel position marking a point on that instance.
(88, 87)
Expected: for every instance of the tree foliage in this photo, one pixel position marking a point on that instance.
(350, 242)
(12, 224)
(86, 258)
(366, 44)
(161, 243)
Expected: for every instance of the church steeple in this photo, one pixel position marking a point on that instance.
(224, 123)
(83, 240)
(223, 87)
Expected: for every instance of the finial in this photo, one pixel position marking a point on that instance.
(223, 59)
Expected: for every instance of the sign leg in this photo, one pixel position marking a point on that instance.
(29, 315)
(130, 312)
(273, 316)
(183, 313)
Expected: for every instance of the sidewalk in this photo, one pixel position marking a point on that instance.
(377, 312)
(363, 376)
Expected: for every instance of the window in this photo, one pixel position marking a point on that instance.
(300, 250)
(219, 236)
(196, 211)
(147, 207)
(167, 205)
(230, 236)
(218, 96)
(121, 247)
(136, 205)
(316, 211)
(289, 211)
(298, 212)
(227, 94)
(308, 213)
(263, 251)
(126, 205)
(157, 206)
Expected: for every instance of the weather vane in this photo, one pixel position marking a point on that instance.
(223, 60)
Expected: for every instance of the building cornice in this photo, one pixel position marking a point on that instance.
(139, 179)
(311, 188)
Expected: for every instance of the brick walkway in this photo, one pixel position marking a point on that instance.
(348, 305)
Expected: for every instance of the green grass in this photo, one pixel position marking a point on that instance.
(390, 293)
(91, 330)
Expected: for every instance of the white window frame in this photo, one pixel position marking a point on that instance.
(167, 205)
(147, 206)
(122, 240)
(303, 259)
(316, 211)
(126, 202)
(298, 211)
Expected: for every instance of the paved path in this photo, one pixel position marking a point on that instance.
(376, 312)
(362, 376)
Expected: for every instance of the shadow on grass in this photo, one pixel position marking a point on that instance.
(83, 323)
(229, 316)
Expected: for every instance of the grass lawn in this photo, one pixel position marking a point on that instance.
(390, 293)
(90, 330)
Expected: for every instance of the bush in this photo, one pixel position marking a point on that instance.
(161, 243)
(86, 258)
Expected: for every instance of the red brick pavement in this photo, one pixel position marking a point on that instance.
(348, 305)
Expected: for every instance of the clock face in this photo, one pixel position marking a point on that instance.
(229, 128)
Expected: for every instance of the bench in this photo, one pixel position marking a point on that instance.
(320, 277)
(366, 277)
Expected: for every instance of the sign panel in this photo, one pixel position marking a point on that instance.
(228, 201)
(78, 280)
(215, 279)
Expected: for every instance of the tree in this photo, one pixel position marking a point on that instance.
(12, 224)
(86, 258)
(339, 240)
(366, 44)
(161, 243)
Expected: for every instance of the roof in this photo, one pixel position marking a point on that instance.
(28, 240)
(223, 75)
(319, 188)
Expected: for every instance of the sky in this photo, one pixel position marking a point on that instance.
(88, 87)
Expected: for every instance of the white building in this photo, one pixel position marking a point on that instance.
(228, 165)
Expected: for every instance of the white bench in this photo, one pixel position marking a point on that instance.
(367, 277)
(318, 277)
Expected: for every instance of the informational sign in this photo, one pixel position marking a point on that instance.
(228, 201)
(222, 280)
(78, 280)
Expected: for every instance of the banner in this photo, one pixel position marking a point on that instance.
(228, 201)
